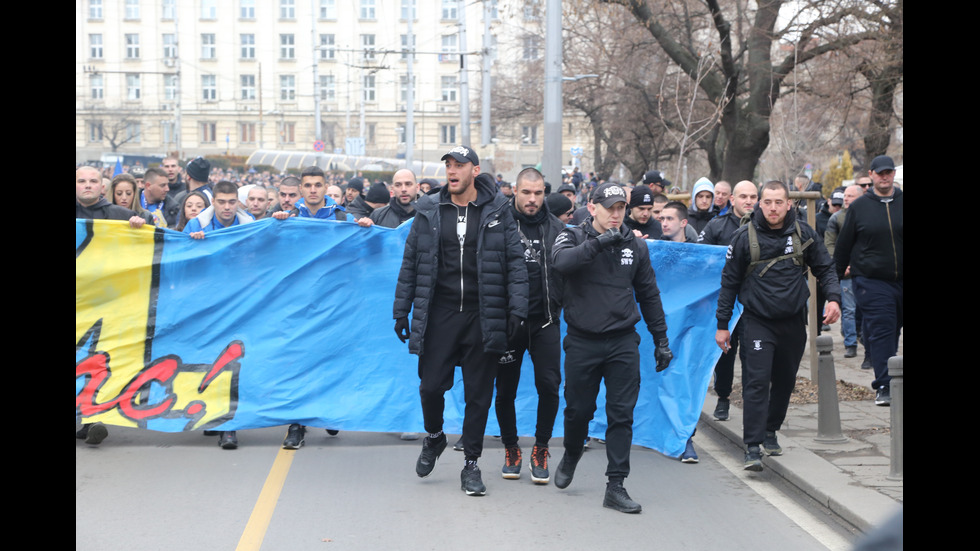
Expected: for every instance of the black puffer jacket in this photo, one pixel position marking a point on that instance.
(782, 291)
(551, 281)
(501, 274)
(604, 285)
(720, 229)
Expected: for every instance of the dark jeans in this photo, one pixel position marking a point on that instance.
(587, 363)
(881, 304)
(773, 350)
(454, 338)
(544, 344)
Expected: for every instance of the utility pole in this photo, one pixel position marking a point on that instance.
(464, 84)
(551, 155)
(487, 64)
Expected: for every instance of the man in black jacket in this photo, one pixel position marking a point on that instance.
(541, 335)
(719, 231)
(464, 308)
(607, 271)
(771, 285)
(870, 248)
(401, 206)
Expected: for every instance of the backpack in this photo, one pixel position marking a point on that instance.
(797, 253)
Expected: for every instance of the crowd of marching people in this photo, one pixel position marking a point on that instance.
(548, 250)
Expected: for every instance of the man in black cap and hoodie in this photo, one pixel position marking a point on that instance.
(465, 309)
(640, 216)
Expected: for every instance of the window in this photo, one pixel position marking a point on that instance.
(400, 133)
(247, 9)
(287, 87)
(449, 12)
(246, 132)
(447, 133)
(169, 87)
(209, 9)
(168, 131)
(132, 9)
(328, 88)
(531, 10)
(132, 46)
(248, 87)
(367, 44)
(95, 132)
(97, 86)
(529, 135)
(209, 132)
(209, 87)
(403, 87)
(287, 46)
(449, 88)
(169, 10)
(169, 46)
(327, 46)
(369, 90)
(132, 87)
(95, 12)
(248, 46)
(405, 46)
(367, 9)
(328, 9)
(287, 132)
(287, 9)
(532, 45)
(409, 5)
(95, 46)
(448, 48)
(207, 46)
(133, 132)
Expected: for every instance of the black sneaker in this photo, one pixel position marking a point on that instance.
(228, 440)
(753, 459)
(295, 438)
(566, 470)
(212, 433)
(93, 434)
(539, 465)
(472, 481)
(721, 410)
(512, 462)
(882, 398)
(617, 498)
(770, 446)
(458, 446)
(866, 364)
(850, 351)
(432, 448)
(333, 432)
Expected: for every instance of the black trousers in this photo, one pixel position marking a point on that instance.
(725, 368)
(544, 343)
(773, 349)
(617, 362)
(454, 338)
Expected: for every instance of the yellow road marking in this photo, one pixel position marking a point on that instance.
(258, 522)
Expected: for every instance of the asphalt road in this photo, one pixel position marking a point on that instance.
(146, 490)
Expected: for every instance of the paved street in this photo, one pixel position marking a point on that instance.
(146, 490)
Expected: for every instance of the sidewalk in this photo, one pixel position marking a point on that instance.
(850, 478)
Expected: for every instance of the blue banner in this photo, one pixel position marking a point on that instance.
(278, 322)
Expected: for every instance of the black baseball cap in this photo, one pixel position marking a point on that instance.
(463, 154)
(608, 194)
(653, 177)
(882, 163)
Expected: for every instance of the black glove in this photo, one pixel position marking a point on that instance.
(663, 354)
(402, 329)
(515, 324)
(611, 237)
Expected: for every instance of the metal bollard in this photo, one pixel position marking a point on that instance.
(898, 417)
(828, 408)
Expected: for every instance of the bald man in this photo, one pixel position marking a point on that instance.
(404, 191)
